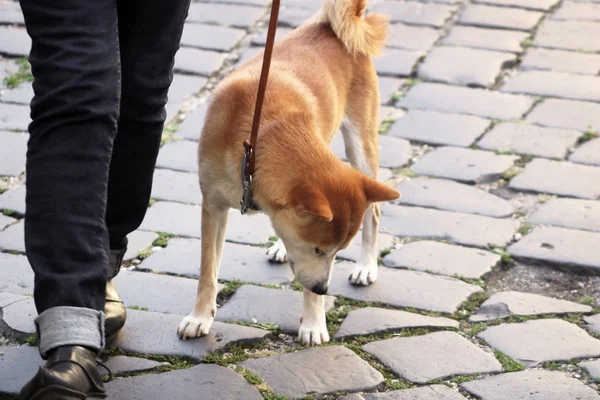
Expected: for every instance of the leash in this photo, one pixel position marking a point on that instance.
(248, 162)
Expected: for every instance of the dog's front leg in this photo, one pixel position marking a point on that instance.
(313, 327)
(199, 321)
(366, 270)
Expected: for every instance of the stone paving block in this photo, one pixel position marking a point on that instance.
(560, 246)
(182, 87)
(561, 61)
(11, 14)
(460, 100)
(402, 288)
(465, 165)
(12, 151)
(6, 221)
(15, 41)
(205, 381)
(530, 385)
(529, 139)
(452, 196)
(253, 304)
(542, 5)
(17, 275)
(499, 17)
(239, 262)
(593, 323)
(571, 10)
(371, 320)
(505, 304)
(181, 155)
(253, 2)
(409, 37)
(421, 359)
(433, 392)
(387, 87)
(211, 37)
(443, 259)
(463, 66)
(588, 153)
(13, 237)
(396, 62)
(592, 368)
(138, 240)
(14, 200)
(534, 342)
(260, 39)
(290, 17)
(248, 54)
(488, 39)
(439, 128)
(578, 115)
(415, 13)
(554, 84)
(135, 336)
(294, 374)
(571, 35)
(8, 66)
(561, 178)
(352, 252)
(125, 364)
(196, 61)
(248, 229)
(6, 298)
(178, 219)
(466, 229)
(22, 94)
(393, 152)
(17, 367)
(191, 127)
(20, 315)
(224, 14)
(568, 213)
(176, 186)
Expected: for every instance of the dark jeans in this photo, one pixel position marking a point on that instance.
(102, 70)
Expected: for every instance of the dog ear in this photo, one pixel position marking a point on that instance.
(377, 191)
(312, 202)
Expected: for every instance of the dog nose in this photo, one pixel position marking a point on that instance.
(320, 288)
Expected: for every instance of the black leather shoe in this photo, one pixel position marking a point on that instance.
(114, 310)
(69, 374)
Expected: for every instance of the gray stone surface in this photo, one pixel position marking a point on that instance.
(13, 200)
(17, 275)
(560, 246)
(15, 41)
(499, 17)
(463, 66)
(402, 288)
(248, 55)
(290, 17)
(387, 87)
(206, 382)
(530, 385)
(467, 229)
(181, 155)
(248, 229)
(22, 94)
(352, 252)
(19, 316)
(421, 359)
(6, 221)
(239, 262)
(396, 62)
(8, 66)
(6, 298)
(534, 342)
(433, 392)
(14, 116)
(371, 320)
(147, 332)
(562, 178)
(224, 14)
(196, 61)
(138, 240)
(561, 61)
(125, 364)
(451, 99)
(17, 366)
(570, 35)
(415, 13)
(439, 128)
(592, 368)
(182, 88)
(542, 5)
(555, 84)
(489, 39)
(393, 152)
(296, 375)
(452, 196)
(505, 304)
(12, 151)
(10, 13)
(176, 186)
(465, 165)
(588, 153)
(530, 139)
(210, 37)
(568, 213)
(260, 39)
(175, 218)
(13, 238)
(191, 127)
(572, 10)
(409, 37)
(557, 113)
(273, 306)
(593, 323)
(443, 259)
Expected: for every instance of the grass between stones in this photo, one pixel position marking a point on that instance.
(508, 363)
(588, 135)
(137, 308)
(23, 74)
(168, 134)
(11, 213)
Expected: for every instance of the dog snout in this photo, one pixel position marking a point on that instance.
(320, 288)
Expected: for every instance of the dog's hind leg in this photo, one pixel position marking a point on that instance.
(199, 321)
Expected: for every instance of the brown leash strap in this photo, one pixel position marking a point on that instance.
(249, 146)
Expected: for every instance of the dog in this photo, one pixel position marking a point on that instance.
(322, 78)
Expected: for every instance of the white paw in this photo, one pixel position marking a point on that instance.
(277, 253)
(363, 275)
(313, 334)
(194, 326)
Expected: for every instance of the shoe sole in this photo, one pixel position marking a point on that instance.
(54, 392)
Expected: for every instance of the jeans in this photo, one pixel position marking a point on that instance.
(102, 70)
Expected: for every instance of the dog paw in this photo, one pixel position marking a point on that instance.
(277, 253)
(363, 275)
(313, 334)
(194, 326)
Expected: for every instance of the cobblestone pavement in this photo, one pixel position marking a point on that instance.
(489, 277)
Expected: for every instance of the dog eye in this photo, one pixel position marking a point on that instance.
(319, 252)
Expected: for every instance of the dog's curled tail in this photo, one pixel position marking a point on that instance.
(362, 35)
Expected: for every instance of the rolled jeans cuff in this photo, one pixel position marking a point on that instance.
(70, 326)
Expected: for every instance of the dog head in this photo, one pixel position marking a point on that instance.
(321, 217)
